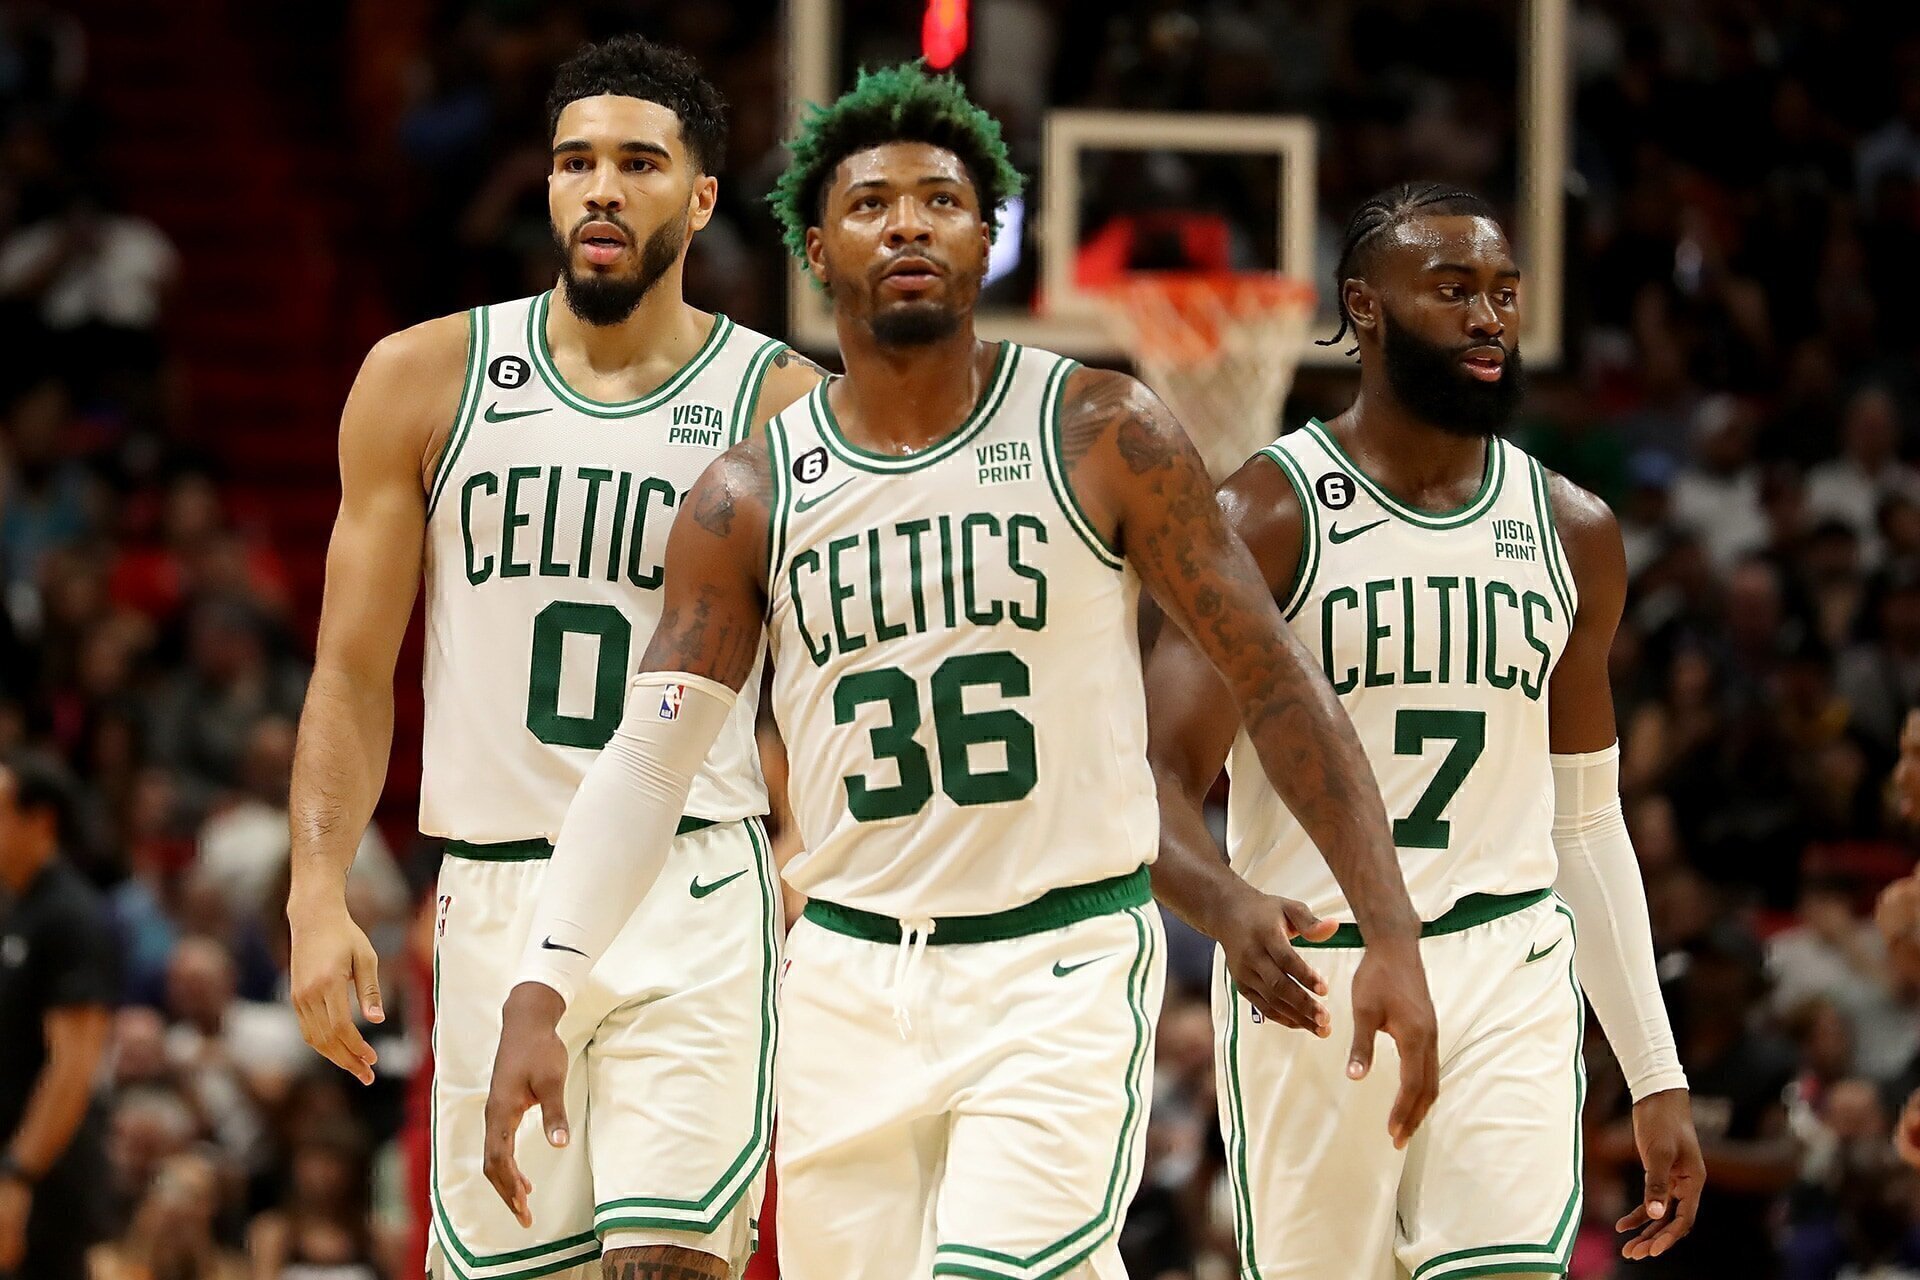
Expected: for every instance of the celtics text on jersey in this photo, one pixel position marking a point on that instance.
(546, 531)
(1439, 632)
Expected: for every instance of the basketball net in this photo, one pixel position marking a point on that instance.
(1218, 347)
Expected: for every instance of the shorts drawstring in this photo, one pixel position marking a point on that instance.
(914, 932)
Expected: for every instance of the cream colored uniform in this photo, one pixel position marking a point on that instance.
(968, 1008)
(546, 530)
(1439, 632)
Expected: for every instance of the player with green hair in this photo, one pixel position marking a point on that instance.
(946, 548)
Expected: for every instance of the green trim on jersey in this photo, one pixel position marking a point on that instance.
(1490, 481)
(1053, 461)
(537, 849)
(1070, 1250)
(1553, 1257)
(1543, 512)
(705, 1213)
(673, 386)
(469, 402)
(1234, 1110)
(1307, 565)
(1054, 909)
(1555, 551)
(755, 378)
(1469, 912)
(780, 464)
(853, 455)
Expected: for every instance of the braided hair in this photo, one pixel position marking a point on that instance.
(1384, 211)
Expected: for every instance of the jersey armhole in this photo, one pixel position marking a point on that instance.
(1307, 564)
(777, 463)
(751, 383)
(1550, 538)
(469, 401)
(1053, 461)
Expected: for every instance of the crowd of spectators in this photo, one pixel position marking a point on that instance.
(1745, 203)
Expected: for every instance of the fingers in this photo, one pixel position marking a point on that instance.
(1279, 998)
(327, 1025)
(550, 1090)
(1367, 1021)
(1419, 1081)
(1659, 1236)
(366, 971)
(499, 1163)
(1656, 1197)
(1300, 984)
(1303, 923)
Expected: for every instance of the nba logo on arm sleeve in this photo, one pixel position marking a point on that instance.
(670, 701)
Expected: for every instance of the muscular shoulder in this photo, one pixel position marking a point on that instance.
(1591, 536)
(407, 394)
(734, 494)
(790, 377)
(1262, 508)
(1099, 407)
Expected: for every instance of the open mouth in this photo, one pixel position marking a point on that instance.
(1485, 363)
(911, 275)
(601, 242)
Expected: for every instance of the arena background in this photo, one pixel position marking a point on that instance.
(210, 209)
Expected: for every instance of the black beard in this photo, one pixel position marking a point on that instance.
(1429, 381)
(915, 324)
(603, 300)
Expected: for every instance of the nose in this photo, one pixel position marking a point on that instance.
(907, 223)
(1483, 319)
(603, 189)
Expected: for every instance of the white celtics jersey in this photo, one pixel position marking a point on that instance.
(546, 528)
(956, 665)
(1439, 632)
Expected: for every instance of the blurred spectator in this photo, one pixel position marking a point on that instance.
(171, 1234)
(1717, 496)
(321, 1228)
(57, 986)
(1881, 677)
(1868, 472)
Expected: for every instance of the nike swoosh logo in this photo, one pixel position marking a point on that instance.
(1062, 970)
(1336, 537)
(548, 944)
(1533, 955)
(813, 500)
(495, 414)
(699, 890)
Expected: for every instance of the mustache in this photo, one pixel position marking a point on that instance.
(932, 258)
(611, 219)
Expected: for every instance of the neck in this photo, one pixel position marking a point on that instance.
(1404, 452)
(662, 317)
(908, 397)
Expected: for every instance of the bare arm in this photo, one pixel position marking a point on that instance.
(1132, 465)
(1127, 454)
(401, 404)
(76, 1036)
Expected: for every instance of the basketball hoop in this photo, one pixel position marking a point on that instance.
(1218, 347)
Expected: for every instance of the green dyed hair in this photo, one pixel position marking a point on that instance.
(894, 104)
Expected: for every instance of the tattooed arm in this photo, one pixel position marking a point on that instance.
(1133, 468)
(620, 827)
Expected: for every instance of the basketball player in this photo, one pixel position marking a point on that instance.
(531, 455)
(947, 547)
(1462, 601)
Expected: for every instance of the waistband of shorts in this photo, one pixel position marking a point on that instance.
(1473, 910)
(540, 850)
(1055, 909)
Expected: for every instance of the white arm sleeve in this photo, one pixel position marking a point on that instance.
(1600, 880)
(615, 837)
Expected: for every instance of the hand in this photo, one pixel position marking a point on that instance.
(1676, 1173)
(1390, 995)
(16, 1201)
(530, 1066)
(1266, 969)
(332, 963)
(1906, 1134)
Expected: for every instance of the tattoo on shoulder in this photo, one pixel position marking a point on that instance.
(740, 476)
(788, 357)
(1121, 405)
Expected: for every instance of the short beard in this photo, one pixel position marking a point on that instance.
(603, 300)
(1429, 381)
(917, 324)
